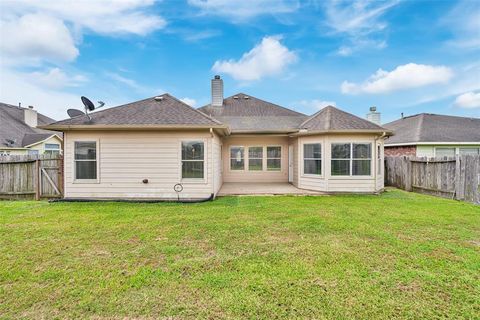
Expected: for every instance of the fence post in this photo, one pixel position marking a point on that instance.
(409, 177)
(37, 179)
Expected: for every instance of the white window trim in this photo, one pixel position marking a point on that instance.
(97, 156)
(245, 158)
(351, 176)
(266, 158)
(203, 180)
(322, 166)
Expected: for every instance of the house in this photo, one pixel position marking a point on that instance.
(20, 135)
(145, 148)
(433, 135)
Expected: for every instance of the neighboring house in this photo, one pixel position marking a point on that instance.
(143, 149)
(433, 135)
(19, 133)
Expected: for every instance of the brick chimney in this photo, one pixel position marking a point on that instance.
(217, 91)
(30, 116)
(374, 116)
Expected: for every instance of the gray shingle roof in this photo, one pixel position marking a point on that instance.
(242, 112)
(13, 127)
(168, 111)
(333, 119)
(426, 127)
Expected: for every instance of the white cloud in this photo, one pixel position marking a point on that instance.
(317, 104)
(56, 78)
(358, 21)
(243, 10)
(406, 76)
(463, 21)
(469, 100)
(191, 102)
(36, 37)
(126, 81)
(267, 58)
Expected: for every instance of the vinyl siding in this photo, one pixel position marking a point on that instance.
(126, 158)
(294, 143)
(255, 176)
(217, 164)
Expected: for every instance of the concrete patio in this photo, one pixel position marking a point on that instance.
(247, 188)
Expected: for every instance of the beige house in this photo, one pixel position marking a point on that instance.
(152, 148)
(20, 135)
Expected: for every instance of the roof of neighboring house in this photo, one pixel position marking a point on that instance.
(427, 127)
(333, 119)
(242, 112)
(13, 127)
(163, 110)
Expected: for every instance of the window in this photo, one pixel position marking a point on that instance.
(255, 158)
(193, 159)
(312, 158)
(341, 159)
(351, 159)
(32, 152)
(85, 160)
(237, 158)
(379, 159)
(52, 148)
(469, 151)
(444, 152)
(274, 158)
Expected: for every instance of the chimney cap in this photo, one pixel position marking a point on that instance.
(30, 107)
(373, 108)
(217, 76)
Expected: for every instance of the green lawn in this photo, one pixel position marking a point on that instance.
(398, 255)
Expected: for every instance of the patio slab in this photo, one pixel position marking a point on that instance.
(247, 188)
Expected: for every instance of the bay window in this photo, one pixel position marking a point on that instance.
(255, 158)
(193, 158)
(274, 158)
(351, 159)
(85, 158)
(312, 158)
(237, 158)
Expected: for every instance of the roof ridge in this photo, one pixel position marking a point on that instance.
(194, 109)
(312, 116)
(277, 105)
(328, 122)
(418, 131)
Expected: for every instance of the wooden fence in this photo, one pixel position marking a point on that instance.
(31, 177)
(455, 178)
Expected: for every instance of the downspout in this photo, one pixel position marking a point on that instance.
(212, 136)
(375, 160)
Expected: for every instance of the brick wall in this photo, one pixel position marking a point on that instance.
(401, 151)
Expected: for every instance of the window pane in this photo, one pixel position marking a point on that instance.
(32, 151)
(274, 152)
(86, 169)
(340, 150)
(235, 164)
(445, 152)
(255, 152)
(313, 150)
(312, 167)
(52, 152)
(85, 150)
(362, 150)
(340, 167)
(192, 169)
(236, 153)
(192, 150)
(274, 164)
(52, 146)
(255, 164)
(361, 167)
(472, 151)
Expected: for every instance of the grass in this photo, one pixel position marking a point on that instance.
(398, 255)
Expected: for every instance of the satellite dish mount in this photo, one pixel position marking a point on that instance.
(89, 106)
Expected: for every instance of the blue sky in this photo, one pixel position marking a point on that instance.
(401, 56)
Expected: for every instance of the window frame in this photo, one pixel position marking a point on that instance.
(97, 160)
(468, 148)
(230, 158)
(351, 175)
(51, 151)
(247, 159)
(455, 153)
(205, 173)
(267, 158)
(321, 160)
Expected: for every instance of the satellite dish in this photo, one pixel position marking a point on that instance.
(75, 113)
(88, 104)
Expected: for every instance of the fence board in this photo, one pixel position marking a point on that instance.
(457, 178)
